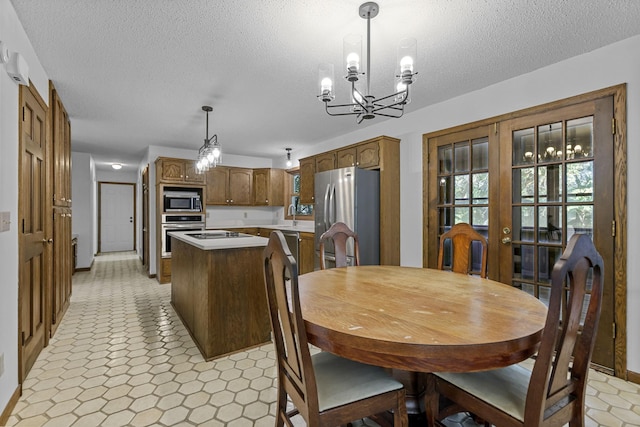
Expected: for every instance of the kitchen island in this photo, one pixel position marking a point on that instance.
(217, 289)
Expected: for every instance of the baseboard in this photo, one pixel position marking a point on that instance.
(13, 401)
(152, 276)
(633, 377)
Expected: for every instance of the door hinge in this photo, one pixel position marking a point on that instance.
(613, 330)
(495, 128)
(613, 126)
(613, 228)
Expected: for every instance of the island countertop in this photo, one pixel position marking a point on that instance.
(243, 241)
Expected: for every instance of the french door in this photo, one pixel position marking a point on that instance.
(528, 182)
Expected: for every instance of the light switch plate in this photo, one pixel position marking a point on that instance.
(5, 221)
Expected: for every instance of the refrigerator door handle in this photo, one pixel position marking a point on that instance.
(333, 206)
(326, 208)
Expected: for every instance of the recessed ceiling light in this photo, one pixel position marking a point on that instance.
(116, 166)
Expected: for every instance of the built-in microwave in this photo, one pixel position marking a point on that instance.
(182, 201)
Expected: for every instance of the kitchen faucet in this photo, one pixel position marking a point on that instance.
(292, 212)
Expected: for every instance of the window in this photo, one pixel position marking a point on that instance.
(293, 196)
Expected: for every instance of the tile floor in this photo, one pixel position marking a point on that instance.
(121, 357)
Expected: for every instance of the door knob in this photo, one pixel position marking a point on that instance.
(506, 240)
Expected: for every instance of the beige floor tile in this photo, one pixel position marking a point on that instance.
(121, 357)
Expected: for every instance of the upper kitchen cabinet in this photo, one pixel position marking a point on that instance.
(173, 171)
(365, 156)
(325, 161)
(61, 145)
(307, 176)
(268, 187)
(229, 186)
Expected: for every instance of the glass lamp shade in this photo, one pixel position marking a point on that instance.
(407, 53)
(325, 78)
(352, 48)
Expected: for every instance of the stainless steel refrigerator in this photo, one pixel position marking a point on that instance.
(352, 196)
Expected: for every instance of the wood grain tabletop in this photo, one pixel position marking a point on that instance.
(419, 319)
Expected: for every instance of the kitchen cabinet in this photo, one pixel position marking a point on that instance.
(170, 170)
(307, 175)
(325, 161)
(268, 187)
(365, 156)
(229, 186)
(306, 253)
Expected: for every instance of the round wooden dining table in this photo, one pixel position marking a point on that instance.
(419, 319)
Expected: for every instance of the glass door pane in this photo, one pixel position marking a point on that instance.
(552, 197)
(463, 188)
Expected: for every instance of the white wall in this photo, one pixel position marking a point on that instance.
(608, 66)
(83, 210)
(12, 33)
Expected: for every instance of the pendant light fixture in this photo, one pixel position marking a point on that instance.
(289, 163)
(363, 104)
(210, 154)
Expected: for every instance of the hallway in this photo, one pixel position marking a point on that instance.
(121, 357)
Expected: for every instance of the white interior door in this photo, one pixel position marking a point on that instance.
(116, 217)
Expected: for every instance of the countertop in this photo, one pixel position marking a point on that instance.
(303, 228)
(222, 243)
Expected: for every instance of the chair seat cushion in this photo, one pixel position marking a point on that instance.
(341, 381)
(504, 388)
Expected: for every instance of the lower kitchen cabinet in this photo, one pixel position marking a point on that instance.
(306, 253)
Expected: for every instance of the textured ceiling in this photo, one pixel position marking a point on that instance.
(136, 73)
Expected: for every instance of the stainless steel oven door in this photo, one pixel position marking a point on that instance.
(166, 239)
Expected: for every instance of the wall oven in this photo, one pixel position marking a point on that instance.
(170, 223)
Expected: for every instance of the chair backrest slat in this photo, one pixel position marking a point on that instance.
(562, 364)
(339, 233)
(462, 236)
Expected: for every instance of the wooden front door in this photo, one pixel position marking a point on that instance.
(528, 181)
(34, 244)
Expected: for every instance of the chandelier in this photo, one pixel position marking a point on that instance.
(210, 154)
(364, 105)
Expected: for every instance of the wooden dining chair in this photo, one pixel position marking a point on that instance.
(553, 394)
(339, 233)
(326, 390)
(462, 236)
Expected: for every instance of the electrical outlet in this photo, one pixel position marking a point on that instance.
(1, 364)
(245, 214)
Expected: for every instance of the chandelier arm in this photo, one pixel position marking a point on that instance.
(350, 113)
(395, 116)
